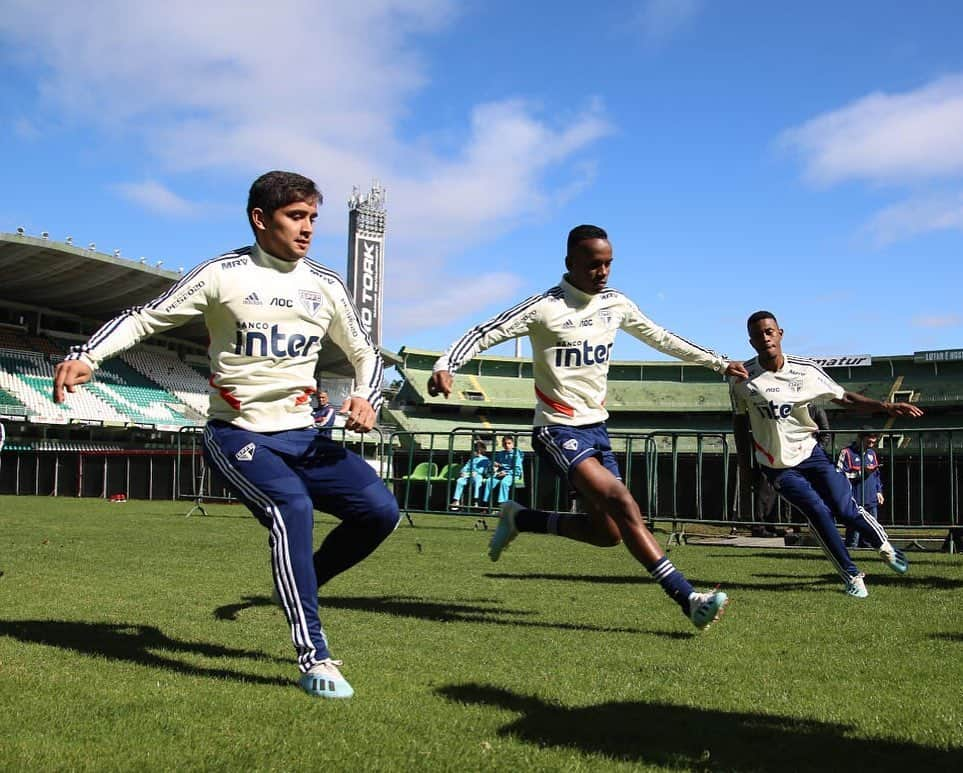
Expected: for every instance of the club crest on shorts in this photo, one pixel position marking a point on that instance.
(570, 445)
(312, 301)
(246, 454)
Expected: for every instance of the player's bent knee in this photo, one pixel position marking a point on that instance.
(621, 506)
(381, 513)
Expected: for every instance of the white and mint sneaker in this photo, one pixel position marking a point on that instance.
(324, 680)
(706, 608)
(505, 532)
(856, 587)
(893, 558)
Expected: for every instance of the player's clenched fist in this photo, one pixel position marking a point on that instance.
(69, 374)
(440, 383)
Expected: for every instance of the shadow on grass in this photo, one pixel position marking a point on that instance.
(141, 644)
(472, 611)
(879, 577)
(816, 554)
(796, 582)
(948, 636)
(599, 579)
(688, 738)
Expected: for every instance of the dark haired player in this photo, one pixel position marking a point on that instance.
(773, 402)
(268, 308)
(572, 328)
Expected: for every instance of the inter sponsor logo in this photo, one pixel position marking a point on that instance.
(580, 354)
(272, 342)
(774, 410)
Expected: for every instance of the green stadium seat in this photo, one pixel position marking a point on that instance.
(424, 471)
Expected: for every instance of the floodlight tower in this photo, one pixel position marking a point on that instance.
(366, 248)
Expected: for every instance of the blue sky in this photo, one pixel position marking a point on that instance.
(805, 158)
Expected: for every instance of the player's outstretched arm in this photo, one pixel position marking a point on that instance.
(857, 402)
(67, 375)
(440, 383)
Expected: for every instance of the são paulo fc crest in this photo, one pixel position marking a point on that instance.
(312, 301)
(796, 385)
(246, 454)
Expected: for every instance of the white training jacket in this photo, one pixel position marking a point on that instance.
(776, 402)
(267, 319)
(572, 334)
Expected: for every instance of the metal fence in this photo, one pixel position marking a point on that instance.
(681, 477)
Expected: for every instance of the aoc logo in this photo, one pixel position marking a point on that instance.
(272, 343)
(582, 353)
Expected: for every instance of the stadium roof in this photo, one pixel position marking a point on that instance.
(67, 279)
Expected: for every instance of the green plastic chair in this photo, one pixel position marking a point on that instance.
(423, 471)
(448, 472)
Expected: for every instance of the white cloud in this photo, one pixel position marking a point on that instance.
(659, 20)
(917, 216)
(154, 197)
(905, 137)
(938, 320)
(322, 88)
(460, 299)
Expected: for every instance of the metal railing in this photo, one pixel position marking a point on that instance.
(689, 476)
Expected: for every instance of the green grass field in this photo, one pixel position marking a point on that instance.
(133, 638)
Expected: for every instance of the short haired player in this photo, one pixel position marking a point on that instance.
(268, 309)
(572, 329)
(773, 401)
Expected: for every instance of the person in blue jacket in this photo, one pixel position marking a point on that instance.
(859, 462)
(476, 469)
(506, 471)
(324, 415)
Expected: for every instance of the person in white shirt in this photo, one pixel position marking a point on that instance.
(773, 402)
(268, 308)
(572, 329)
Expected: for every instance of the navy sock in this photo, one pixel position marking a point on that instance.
(673, 582)
(532, 520)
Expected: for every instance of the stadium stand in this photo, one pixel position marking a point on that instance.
(177, 377)
(118, 395)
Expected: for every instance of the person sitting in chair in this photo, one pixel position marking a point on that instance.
(475, 469)
(507, 470)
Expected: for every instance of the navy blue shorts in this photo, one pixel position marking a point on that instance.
(564, 448)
